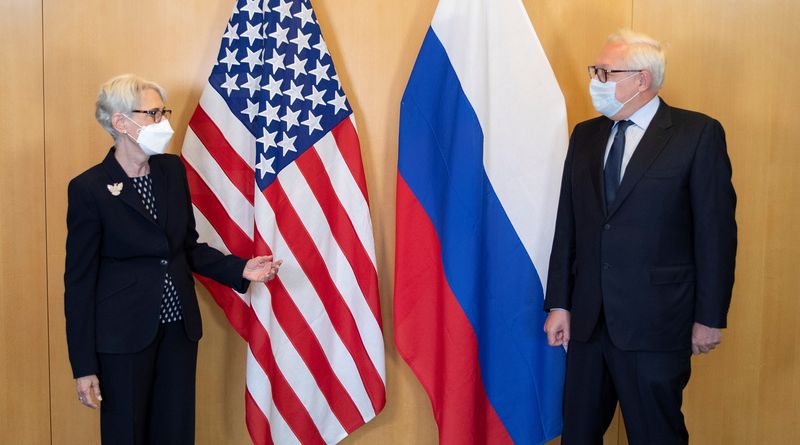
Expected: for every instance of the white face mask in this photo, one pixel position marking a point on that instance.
(153, 139)
(604, 96)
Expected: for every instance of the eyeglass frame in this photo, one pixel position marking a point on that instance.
(156, 113)
(594, 71)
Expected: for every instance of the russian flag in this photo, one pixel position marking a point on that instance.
(483, 139)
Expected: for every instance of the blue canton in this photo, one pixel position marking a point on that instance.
(277, 77)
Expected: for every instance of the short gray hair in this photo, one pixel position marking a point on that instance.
(121, 95)
(644, 52)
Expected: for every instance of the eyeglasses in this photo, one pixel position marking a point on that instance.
(602, 73)
(155, 113)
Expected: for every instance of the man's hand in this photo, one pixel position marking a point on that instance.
(88, 388)
(557, 327)
(704, 338)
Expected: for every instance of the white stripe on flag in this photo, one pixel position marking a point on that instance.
(301, 291)
(237, 135)
(235, 204)
(348, 191)
(525, 141)
(309, 211)
(260, 389)
(206, 232)
(210, 236)
(295, 370)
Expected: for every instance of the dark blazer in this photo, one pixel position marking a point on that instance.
(662, 256)
(117, 257)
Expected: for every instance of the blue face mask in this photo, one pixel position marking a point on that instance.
(604, 96)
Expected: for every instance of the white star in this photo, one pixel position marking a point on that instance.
(274, 87)
(265, 166)
(267, 139)
(287, 144)
(285, 8)
(253, 84)
(304, 15)
(298, 66)
(230, 58)
(231, 33)
(253, 58)
(316, 97)
(301, 41)
(295, 92)
(251, 111)
(320, 72)
(252, 7)
(276, 61)
(290, 118)
(253, 32)
(280, 35)
(312, 122)
(338, 102)
(230, 83)
(270, 113)
(321, 47)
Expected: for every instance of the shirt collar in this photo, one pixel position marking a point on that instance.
(642, 117)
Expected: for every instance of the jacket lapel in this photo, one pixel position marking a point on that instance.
(128, 194)
(159, 191)
(651, 145)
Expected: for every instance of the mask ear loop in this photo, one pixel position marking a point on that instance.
(637, 91)
(134, 123)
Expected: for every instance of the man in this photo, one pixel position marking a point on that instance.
(643, 257)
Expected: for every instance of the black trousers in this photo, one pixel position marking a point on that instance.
(149, 396)
(648, 385)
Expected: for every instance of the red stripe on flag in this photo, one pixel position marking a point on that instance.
(284, 397)
(247, 324)
(307, 345)
(257, 423)
(236, 310)
(347, 139)
(237, 242)
(313, 264)
(342, 228)
(260, 246)
(228, 159)
(433, 334)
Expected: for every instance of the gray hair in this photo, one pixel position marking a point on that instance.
(121, 95)
(644, 52)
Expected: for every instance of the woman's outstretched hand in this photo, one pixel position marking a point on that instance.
(261, 268)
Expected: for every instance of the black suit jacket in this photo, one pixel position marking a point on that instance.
(117, 257)
(662, 256)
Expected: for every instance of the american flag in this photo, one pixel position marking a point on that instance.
(274, 167)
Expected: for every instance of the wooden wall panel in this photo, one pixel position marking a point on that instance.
(175, 44)
(734, 61)
(24, 399)
(729, 59)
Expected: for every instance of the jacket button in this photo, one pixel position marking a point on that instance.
(607, 227)
(163, 262)
(606, 266)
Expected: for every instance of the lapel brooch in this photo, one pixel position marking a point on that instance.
(115, 189)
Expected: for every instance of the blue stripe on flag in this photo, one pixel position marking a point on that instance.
(486, 264)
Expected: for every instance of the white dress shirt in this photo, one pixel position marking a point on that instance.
(641, 120)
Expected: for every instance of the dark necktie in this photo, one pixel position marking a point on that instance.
(612, 172)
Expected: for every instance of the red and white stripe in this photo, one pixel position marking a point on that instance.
(315, 362)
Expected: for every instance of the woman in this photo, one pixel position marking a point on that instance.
(132, 316)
